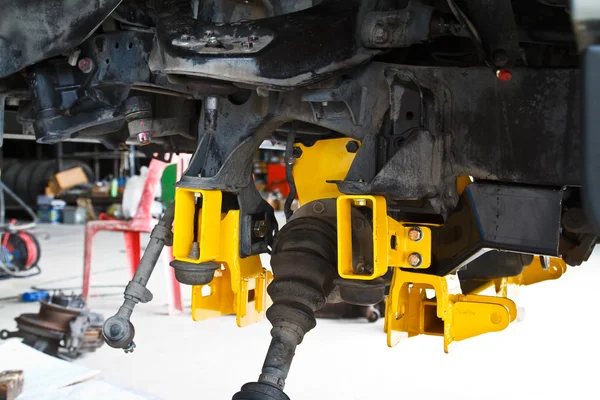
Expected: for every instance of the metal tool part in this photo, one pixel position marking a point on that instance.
(118, 331)
(63, 327)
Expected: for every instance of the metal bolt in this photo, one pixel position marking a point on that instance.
(318, 207)
(262, 91)
(545, 262)
(297, 152)
(415, 234)
(213, 42)
(352, 146)
(211, 103)
(129, 348)
(247, 45)
(85, 65)
(259, 229)
(324, 104)
(362, 267)
(253, 38)
(73, 57)
(415, 259)
(143, 138)
(380, 34)
(360, 202)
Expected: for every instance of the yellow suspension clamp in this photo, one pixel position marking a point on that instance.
(395, 244)
(240, 284)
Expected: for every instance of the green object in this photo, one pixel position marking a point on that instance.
(168, 181)
(114, 187)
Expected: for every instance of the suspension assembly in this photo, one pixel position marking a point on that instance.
(342, 247)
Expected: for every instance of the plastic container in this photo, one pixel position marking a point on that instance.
(74, 215)
(50, 210)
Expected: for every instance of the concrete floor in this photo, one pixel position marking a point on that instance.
(553, 353)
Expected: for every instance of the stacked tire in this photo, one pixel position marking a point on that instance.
(29, 178)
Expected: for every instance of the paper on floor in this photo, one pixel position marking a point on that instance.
(91, 390)
(42, 373)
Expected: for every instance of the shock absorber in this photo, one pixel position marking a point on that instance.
(304, 265)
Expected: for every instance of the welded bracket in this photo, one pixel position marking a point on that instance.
(314, 173)
(395, 244)
(239, 286)
(532, 274)
(409, 311)
(535, 272)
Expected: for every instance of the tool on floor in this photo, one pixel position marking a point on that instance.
(11, 384)
(30, 297)
(19, 254)
(63, 327)
(19, 250)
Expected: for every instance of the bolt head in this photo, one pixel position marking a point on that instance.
(85, 65)
(213, 42)
(352, 146)
(415, 259)
(360, 202)
(415, 234)
(144, 138)
(253, 38)
(259, 229)
(262, 91)
(318, 207)
(380, 34)
(130, 348)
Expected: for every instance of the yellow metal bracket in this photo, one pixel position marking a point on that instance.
(409, 312)
(532, 274)
(240, 285)
(316, 166)
(535, 273)
(395, 244)
(209, 224)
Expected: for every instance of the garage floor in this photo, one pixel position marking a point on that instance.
(553, 353)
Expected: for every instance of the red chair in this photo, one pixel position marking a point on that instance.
(141, 222)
